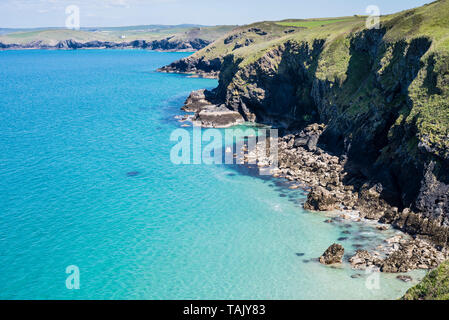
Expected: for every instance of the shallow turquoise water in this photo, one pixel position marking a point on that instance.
(73, 124)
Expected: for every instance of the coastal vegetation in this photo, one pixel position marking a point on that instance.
(434, 286)
(310, 23)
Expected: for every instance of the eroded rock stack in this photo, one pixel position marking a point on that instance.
(333, 255)
(208, 114)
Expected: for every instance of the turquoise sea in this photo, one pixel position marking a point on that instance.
(86, 180)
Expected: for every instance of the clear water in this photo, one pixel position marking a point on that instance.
(73, 124)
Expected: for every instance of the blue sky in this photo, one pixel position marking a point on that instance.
(51, 13)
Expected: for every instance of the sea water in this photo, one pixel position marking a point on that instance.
(86, 180)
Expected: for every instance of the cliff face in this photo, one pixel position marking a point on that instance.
(209, 61)
(373, 112)
(201, 66)
(383, 95)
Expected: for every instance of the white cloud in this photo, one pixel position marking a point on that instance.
(117, 3)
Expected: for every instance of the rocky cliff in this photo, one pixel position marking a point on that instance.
(209, 61)
(382, 94)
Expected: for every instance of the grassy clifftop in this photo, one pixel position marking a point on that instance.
(251, 41)
(431, 20)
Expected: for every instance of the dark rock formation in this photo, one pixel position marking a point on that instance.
(208, 114)
(196, 101)
(217, 117)
(319, 199)
(333, 255)
(195, 66)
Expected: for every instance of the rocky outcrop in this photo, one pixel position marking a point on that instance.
(324, 174)
(320, 199)
(200, 67)
(413, 255)
(196, 101)
(208, 114)
(213, 116)
(333, 255)
(364, 260)
(399, 255)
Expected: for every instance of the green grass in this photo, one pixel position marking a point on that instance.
(435, 286)
(24, 34)
(309, 23)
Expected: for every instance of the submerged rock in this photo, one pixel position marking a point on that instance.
(362, 260)
(404, 278)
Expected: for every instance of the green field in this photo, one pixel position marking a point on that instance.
(310, 23)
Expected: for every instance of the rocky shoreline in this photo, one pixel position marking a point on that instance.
(194, 67)
(333, 185)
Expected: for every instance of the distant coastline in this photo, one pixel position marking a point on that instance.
(181, 38)
(159, 45)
